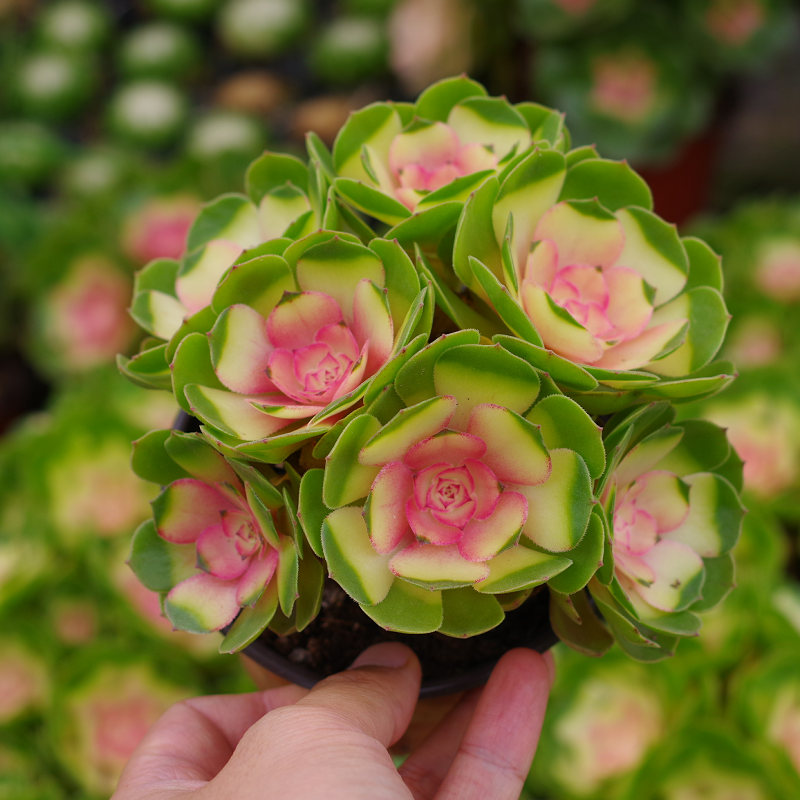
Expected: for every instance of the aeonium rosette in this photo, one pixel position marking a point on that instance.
(298, 339)
(467, 489)
(221, 545)
(674, 514)
(573, 261)
(397, 162)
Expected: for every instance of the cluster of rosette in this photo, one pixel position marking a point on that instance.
(439, 365)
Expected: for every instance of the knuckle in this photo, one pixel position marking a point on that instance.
(494, 760)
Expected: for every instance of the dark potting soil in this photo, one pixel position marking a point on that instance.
(342, 631)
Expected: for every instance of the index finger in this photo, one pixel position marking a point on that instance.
(499, 744)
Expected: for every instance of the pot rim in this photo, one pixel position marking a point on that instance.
(541, 640)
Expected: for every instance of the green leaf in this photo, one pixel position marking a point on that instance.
(272, 247)
(427, 226)
(350, 220)
(324, 446)
(703, 448)
(159, 565)
(437, 101)
(340, 405)
(192, 364)
(258, 283)
(565, 424)
(310, 585)
(157, 276)
(320, 153)
(656, 249)
(352, 561)
(530, 189)
(191, 452)
(708, 321)
(581, 154)
(346, 480)
(675, 623)
(230, 216)
(714, 522)
(201, 322)
(468, 613)
(376, 126)
(158, 313)
(586, 558)
(151, 462)
(706, 381)
(606, 571)
(589, 636)
(371, 201)
(705, 266)
(613, 183)
(251, 622)
(520, 568)
(622, 379)
(414, 381)
(386, 405)
(280, 446)
(407, 609)
(720, 580)
(402, 281)
(148, 367)
(411, 425)
(507, 308)
(312, 510)
(476, 374)
(561, 506)
(263, 516)
(463, 316)
(475, 234)
(458, 190)
(388, 372)
(272, 170)
(287, 570)
(564, 372)
(259, 483)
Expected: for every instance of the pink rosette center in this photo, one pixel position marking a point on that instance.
(426, 160)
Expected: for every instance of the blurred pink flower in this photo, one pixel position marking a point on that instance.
(624, 85)
(778, 270)
(85, 316)
(735, 22)
(158, 229)
(766, 434)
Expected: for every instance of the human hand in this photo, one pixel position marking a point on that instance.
(331, 742)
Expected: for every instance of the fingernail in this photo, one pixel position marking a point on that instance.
(551, 666)
(386, 654)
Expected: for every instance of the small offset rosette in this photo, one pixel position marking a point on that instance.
(591, 285)
(413, 166)
(222, 548)
(297, 339)
(672, 514)
(460, 489)
(173, 297)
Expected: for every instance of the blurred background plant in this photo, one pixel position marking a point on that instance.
(120, 118)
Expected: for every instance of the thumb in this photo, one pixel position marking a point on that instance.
(376, 696)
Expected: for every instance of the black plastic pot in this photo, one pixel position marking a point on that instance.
(540, 638)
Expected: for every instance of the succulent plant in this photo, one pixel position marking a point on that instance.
(412, 167)
(464, 487)
(223, 538)
(594, 286)
(670, 501)
(441, 483)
